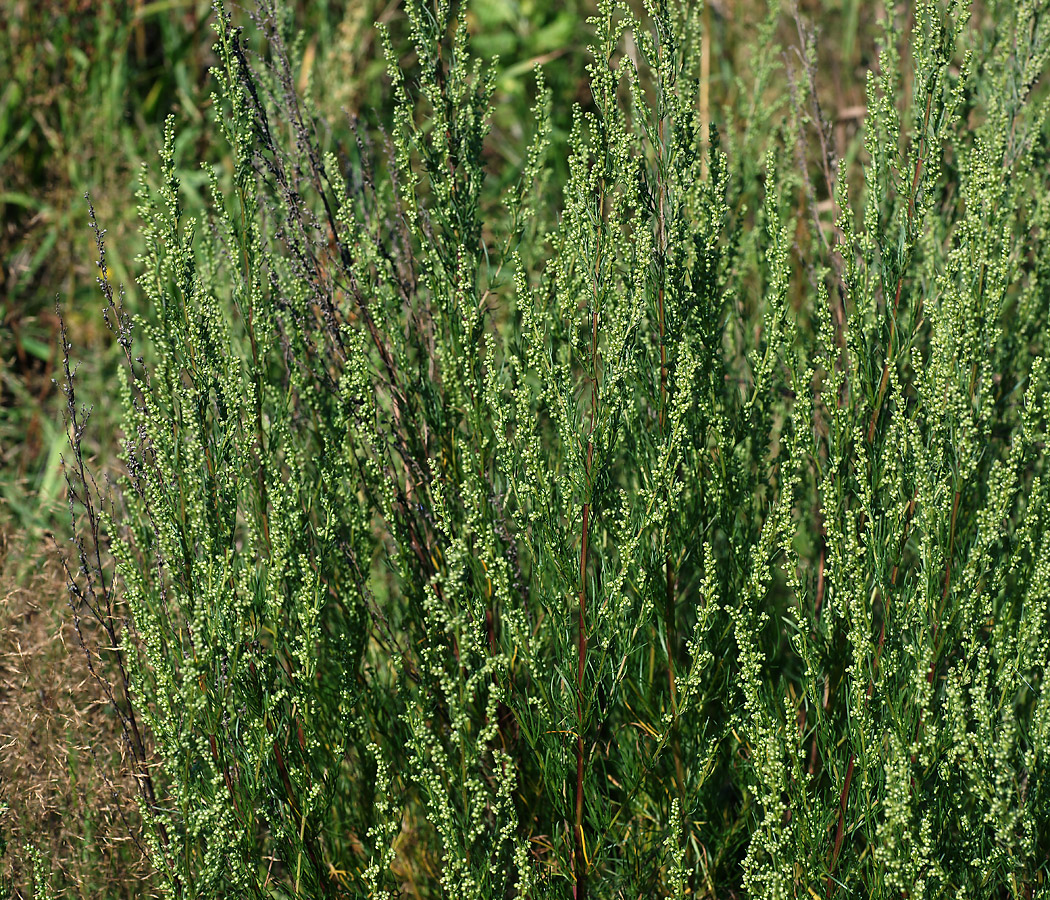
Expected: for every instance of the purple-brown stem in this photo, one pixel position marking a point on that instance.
(579, 848)
(669, 594)
(883, 384)
(884, 381)
(580, 859)
(844, 797)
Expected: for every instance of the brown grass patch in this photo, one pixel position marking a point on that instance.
(61, 773)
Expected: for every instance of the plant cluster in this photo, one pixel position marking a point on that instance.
(687, 536)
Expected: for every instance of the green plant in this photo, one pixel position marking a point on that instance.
(689, 538)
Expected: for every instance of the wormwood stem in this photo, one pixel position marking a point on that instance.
(100, 597)
(881, 395)
(307, 841)
(580, 849)
(580, 855)
(669, 616)
(844, 797)
(937, 634)
(580, 858)
(884, 380)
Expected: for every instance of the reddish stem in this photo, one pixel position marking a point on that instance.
(884, 381)
(579, 849)
(580, 862)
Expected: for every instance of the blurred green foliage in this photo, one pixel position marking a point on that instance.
(84, 86)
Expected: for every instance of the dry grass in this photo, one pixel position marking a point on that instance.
(59, 746)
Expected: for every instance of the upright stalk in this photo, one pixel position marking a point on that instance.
(580, 844)
(881, 394)
(885, 378)
(669, 580)
(580, 854)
